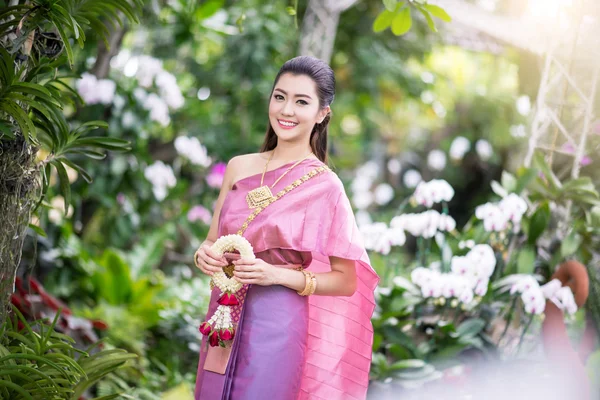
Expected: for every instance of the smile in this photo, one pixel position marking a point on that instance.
(286, 124)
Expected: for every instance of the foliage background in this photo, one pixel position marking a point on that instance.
(122, 254)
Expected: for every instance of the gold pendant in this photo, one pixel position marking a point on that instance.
(259, 197)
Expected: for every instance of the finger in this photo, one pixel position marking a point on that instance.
(206, 267)
(245, 268)
(212, 254)
(204, 270)
(248, 281)
(246, 275)
(211, 258)
(245, 261)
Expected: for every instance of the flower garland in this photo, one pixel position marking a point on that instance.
(219, 328)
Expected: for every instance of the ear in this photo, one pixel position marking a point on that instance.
(323, 113)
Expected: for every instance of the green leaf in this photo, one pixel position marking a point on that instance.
(84, 174)
(383, 21)
(540, 162)
(509, 182)
(470, 327)
(145, 256)
(27, 127)
(524, 177)
(526, 261)
(390, 5)
(290, 10)
(37, 230)
(538, 222)
(65, 40)
(428, 18)
(570, 244)
(583, 184)
(408, 364)
(402, 22)
(498, 189)
(109, 143)
(114, 282)
(65, 185)
(437, 12)
(6, 129)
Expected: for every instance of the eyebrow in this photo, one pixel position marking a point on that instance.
(298, 95)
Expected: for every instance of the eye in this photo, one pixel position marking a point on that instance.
(304, 103)
(278, 97)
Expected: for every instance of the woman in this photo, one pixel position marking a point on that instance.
(304, 327)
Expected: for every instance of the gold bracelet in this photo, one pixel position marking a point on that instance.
(313, 286)
(196, 258)
(310, 286)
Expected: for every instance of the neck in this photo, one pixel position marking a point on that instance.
(287, 152)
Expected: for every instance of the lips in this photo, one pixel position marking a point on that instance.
(284, 124)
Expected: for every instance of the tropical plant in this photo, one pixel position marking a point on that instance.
(38, 362)
(397, 15)
(34, 134)
(477, 291)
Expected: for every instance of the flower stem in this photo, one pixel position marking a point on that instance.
(508, 319)
(523, 333)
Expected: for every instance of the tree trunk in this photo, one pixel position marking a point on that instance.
(319, 27)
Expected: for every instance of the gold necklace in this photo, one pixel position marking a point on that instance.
(261, 196)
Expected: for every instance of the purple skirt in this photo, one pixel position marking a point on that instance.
(268, 352)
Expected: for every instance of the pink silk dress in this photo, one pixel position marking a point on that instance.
(290, 347)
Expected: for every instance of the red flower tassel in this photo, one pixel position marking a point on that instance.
(228, 299)
(214, 339)
(226, 334)
(205, 328)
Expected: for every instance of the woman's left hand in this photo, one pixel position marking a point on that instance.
(255, 272)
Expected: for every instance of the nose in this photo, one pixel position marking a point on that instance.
(288, 109)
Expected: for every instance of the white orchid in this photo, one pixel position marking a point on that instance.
(459, 147)
(564, 300)
(482, 256)
(481, 287)
(380, 238)
(446, 223)
(497, 216)
(435, 191)
(550, 288)
(162, 178)
(384, 193)
(96, 91)
(513, 206)
(193, 150)
(524, 283)
(534, 300)
(454, 285)
(421, 275)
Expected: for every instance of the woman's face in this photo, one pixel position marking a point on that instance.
(294, 108)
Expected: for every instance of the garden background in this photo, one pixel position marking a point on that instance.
(462, 142)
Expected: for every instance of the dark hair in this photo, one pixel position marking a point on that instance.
(323, 76)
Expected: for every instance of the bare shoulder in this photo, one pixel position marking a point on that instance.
(245, 165)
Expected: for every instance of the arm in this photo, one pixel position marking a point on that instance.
(228, 181)
(340, 281)
(206, 260)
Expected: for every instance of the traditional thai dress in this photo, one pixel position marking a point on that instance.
(288, 346)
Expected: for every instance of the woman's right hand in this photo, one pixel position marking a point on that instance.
(207, 261)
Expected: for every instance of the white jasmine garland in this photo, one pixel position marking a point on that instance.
(225, 244)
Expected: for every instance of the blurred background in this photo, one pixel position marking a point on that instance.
(118, 117)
